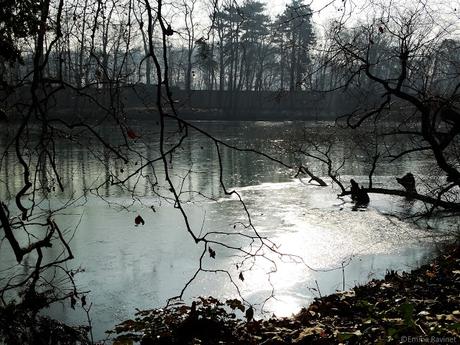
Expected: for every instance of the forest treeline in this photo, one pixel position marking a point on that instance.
(230, 46)
(201, 104)
(233, 47)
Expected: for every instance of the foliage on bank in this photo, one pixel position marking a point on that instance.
(21, 325)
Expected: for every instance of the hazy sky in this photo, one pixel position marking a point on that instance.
(356, 10)
(278, 6)
(324, 10)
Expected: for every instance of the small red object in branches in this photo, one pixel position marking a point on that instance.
(381, 29)
(131, 134)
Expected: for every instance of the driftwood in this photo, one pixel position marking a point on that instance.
(305, 170)
(354, 190)
(359, 194)
(408, 182)
(447, 205)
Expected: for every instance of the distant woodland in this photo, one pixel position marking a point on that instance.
(226, 60)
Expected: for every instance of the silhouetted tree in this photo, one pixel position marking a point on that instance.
(296, 24)
(395, 60)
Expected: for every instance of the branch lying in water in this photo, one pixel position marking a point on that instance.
(452, 206)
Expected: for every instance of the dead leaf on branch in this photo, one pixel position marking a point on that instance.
(212, 253)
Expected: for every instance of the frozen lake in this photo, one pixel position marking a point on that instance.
(127, 266)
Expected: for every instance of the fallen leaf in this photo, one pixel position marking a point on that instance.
(235, 304)
(212, 253)
(430, 274)
(139, 220)
(450, 317)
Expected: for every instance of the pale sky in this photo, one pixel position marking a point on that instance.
(359, 10)
(326, 8)
(351, 11)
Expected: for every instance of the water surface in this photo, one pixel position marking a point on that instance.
(128, 267)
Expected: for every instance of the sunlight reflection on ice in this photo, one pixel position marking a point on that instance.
(317, 233)
(143, 266)
(324, 237)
